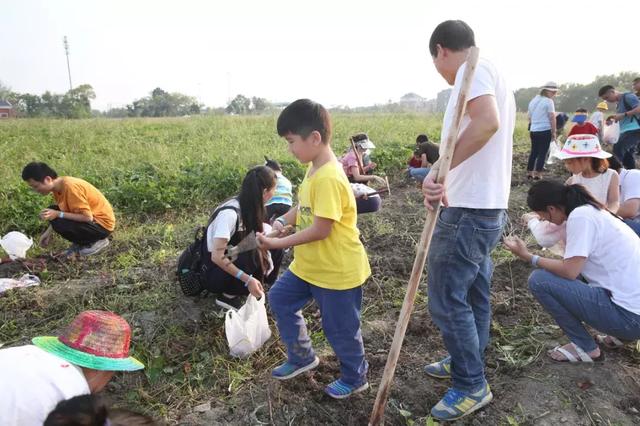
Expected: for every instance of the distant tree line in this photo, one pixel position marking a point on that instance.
(76, 103)
(573, 96)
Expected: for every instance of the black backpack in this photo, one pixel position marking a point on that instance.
(191, 268)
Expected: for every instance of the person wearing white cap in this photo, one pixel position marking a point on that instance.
(352, 161)
(585, 159)
(542, 128)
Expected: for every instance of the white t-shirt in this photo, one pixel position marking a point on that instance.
(224, 225)
(630, 187)
(598, 186)
(483, 181)
(33, 382)
(596, 119)
(539, 109)
(612, 250)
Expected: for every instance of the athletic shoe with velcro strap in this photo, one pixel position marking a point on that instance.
(457, 404)
(440, 369)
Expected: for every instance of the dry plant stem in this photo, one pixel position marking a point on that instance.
(377, 414)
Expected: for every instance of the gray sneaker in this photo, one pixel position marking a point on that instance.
(94, 248)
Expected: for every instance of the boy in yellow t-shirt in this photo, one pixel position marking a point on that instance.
(330, 264)
(81, 214)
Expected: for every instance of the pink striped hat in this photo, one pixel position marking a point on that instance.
(578, 146)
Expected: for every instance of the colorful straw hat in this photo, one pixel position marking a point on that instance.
(95, 339)
(578, 146)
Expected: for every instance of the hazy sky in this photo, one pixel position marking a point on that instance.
(349, 52)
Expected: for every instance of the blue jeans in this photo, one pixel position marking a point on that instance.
(419, 173)
(633, 225)
(340, 311)
(572, 303)
(625, 148)
(459, 280)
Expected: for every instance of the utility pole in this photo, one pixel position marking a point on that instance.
(66, 51)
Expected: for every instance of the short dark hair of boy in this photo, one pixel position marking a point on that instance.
(454, 35)
(37, 172)
(272, 164)
(304, 116)
(421, 139)
(581, 110)
(604, 89)
(636, 80)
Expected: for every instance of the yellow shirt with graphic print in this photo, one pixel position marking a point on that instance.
(338, 262)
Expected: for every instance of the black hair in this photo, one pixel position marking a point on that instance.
(454, 35)
(614, 163)
(252, 207)
(272, 164)
(37, 172)
(581, 110)
(545, 193)
(605, 89)
(304, 116)
(422, 138)
(90, 410)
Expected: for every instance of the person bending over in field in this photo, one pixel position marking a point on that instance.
(282, 198)
(231, 221)
(81, 213)
(330, 264)
(601, 249)
(424, 155)
(81, 360)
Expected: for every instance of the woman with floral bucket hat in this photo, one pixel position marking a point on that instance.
(80, 360)
(587, 162)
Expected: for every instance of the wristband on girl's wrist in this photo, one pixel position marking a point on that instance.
(534, 260)
(239, 274)
(61, 215)
(246, 283)
(282, 220)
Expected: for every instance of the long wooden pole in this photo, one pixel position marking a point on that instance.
(377, 414)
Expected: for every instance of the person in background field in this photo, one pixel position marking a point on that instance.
(629, 209)
(636, 86)
(230, 223)
(90, 410)
(602, 250)
(81, 215)
(597, 118)
(471, 223)
(79, 361)
(350, 162)
(628, 116)
(425, 154)
(587, 162)
(367, 164)
(330, 264)
(282, 199)
(542, 128)
(582, 126)
(561, 120)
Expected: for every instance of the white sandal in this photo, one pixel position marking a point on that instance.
(569, 357)
(609, 341)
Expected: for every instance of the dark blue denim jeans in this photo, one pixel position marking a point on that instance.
(572, 303)
(459, 271)
(340, 311)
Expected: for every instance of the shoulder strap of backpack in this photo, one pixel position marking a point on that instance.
(627, 107)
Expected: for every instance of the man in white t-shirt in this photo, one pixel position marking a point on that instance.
(470, 226)
(81, 360)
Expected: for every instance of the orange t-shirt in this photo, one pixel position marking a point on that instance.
(79, 196)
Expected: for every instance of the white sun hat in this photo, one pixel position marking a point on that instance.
(578, 146)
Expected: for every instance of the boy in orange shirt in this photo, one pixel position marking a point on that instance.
(81, 214)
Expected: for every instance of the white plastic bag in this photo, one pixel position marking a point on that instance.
(16, 244)
(611, 133)
(553, 150)
(26, 280)
(549, 235)
(248, 329)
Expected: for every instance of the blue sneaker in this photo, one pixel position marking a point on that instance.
(440, 369)
(457, 404)
(289, 371)
(341, 390)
